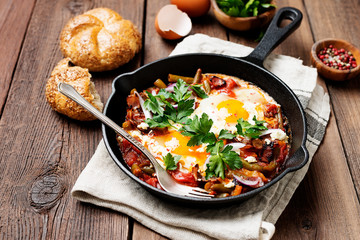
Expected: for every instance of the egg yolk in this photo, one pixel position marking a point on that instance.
(177, 143)
(235, 109)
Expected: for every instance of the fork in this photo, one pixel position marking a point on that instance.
(165, 180)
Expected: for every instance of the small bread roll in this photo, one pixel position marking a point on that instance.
(79, 78)
(100, 40)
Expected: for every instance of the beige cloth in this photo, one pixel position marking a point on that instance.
(102, 182)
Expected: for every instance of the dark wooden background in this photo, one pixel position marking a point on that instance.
(42, 153)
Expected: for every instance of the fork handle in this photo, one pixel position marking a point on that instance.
(70, 92)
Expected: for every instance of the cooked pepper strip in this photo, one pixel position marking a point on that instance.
(197, 77)
(175, 78)
(256, 167)
(237, 190)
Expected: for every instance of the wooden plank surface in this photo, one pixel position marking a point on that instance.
(344, 95)
(13, 25)
(45, 152)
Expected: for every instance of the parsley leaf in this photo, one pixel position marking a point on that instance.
(179, 114)
(199, 130)
(220, 157)
(163, 111)
(185, 109)
(171, 161)
(164, 94)
(158, 121)
(154, 105)
(231, 158)
(225, 134)
(215, 167)
(244, 8)
(181, 91)
(197, 89)
(244, 128)
(171, 113)
(213, 149)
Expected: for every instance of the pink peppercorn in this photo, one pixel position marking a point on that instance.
(337, 58)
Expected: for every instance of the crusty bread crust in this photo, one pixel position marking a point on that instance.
(100, 40)
(79, 78)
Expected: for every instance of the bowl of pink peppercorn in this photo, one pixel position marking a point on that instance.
(336, 59)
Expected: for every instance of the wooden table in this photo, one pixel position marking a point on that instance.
(42, 153)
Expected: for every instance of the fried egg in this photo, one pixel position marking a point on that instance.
(225, 110)
(175, 143)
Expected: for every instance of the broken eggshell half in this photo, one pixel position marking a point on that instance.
(171, 23)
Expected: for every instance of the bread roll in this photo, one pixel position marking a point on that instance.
(79, 78)
(100, 40)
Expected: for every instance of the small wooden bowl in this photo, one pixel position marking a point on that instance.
(329, 72)
(243, 23)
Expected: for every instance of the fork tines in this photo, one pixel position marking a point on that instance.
(201, 193)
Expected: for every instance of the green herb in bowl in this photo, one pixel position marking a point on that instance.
(244, 8)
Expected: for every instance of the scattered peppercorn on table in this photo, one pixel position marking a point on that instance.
(42, 153)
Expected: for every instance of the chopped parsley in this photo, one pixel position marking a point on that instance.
(197, 89)
(181, 91)
(219, 158)
(154, 104)
(184, 109)
(158, 121)
(163, 111)
(244, 128)
(225, 134)
(198, 128)
(244, 8)
(171, 161)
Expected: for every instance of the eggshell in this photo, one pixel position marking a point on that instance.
(171, 23)
(194, 8)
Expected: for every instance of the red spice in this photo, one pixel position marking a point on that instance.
(337, 58)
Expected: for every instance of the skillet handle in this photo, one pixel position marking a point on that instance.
(275, 34)
(298, 160)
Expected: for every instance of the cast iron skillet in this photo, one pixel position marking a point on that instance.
(249, 68)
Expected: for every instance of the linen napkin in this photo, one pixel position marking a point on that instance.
(102, 183)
